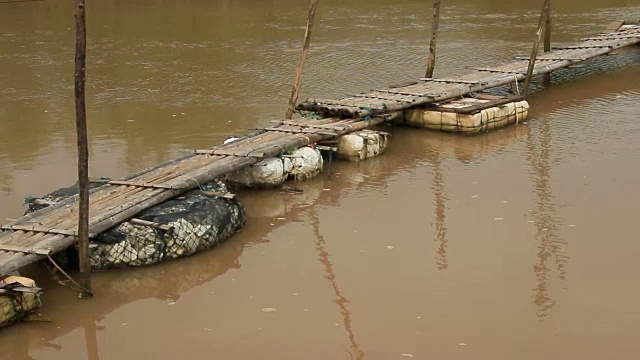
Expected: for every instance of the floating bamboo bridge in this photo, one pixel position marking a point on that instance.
(38, 235)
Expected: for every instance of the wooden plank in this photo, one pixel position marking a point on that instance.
(456, 81)
(495, 70)
(24, 250)
(475, 108)
(407, 99)
(151, 224)
(319, 126)
(578, 47)
(405, 93)
(611, 37)
(140, 184)
(227, 152)
(302, 131)
(550, 59)
(330, 102)
(614, 26)
(41, 229)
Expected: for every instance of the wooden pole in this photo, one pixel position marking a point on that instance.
(536, 45)
(547, 40)
(431, 61)
(303, 58)
(83, 150)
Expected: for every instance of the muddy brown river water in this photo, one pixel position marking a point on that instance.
(517, 244)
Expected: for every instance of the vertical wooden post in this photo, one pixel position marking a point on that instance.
(536, 45)
(431, 61)
(303, 58)
(547, 40)
(83, 150)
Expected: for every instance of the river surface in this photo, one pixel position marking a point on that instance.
(518, 244)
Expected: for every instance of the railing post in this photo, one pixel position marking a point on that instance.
(431, 61)
(83, 150)
(303, 58)
(547, 40)
(536, 45)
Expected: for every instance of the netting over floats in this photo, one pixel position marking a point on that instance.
(199, 220)
(19, 297)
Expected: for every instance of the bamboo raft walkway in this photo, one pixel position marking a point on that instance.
(430, 90)
(42, 233)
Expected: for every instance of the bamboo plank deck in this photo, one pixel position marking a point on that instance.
(52, 229)
(427, 91)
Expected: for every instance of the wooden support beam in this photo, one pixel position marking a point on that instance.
(456, 81)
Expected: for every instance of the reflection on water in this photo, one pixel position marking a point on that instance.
(342, 302)
(546, 219)
(439, 202)
(91, 329)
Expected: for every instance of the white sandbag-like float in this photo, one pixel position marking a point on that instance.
(19, 297)
(469, 115)
(300, 164)
(361, 145)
